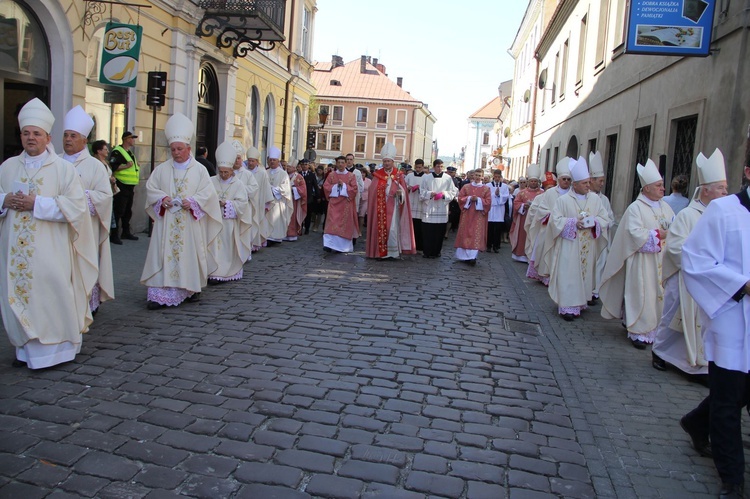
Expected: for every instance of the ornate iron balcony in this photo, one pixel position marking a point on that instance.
(243, 23)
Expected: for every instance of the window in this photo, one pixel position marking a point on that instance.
(642, 147)
(684, 145)
(601, 34)
(401, 119)
(554, 80)
(322, 140)
(379, 143)
(546, 160)
(359, 143)
(555, 159)
(400, 143)
(338, 113)
(305, 41)
(382, 117)
(611, 155)
(335, 142)
(592, 146)
(486, 138)
(581, 51)
(620, 23)
(361, 115)
(564, 68)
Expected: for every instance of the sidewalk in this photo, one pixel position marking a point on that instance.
(323, 375)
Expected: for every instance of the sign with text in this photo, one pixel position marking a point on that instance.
(670, 27)
(121, 47)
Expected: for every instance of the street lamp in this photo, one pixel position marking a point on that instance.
(322, 118)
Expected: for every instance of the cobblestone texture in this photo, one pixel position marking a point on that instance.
(349, 378)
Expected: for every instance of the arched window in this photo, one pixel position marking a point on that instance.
(207, 123)
(252, 117)
(25, 68)
(269, 123)
(486, 138)
(572, 151)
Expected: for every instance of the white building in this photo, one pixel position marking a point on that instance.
(590, 95)
(485, 138)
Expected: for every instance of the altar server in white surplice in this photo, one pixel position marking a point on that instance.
(716, 270)
(576, 229)
(234, 245)
(679, 340)
(187, 219)
(95, 178)
(631, 283)
(48, 258)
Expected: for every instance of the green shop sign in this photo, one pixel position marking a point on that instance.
(121, 47)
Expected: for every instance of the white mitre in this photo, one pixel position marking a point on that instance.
(77, 120)
(579, 170)
(649, 173)
(35, 113)
(534, 171)
(225, 155)
(711, 169)
(274, 153)
(596, 165)
(563, 167)
(252, 153)
(179, 128)
(388, 151)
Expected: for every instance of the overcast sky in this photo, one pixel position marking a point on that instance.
(451, 55)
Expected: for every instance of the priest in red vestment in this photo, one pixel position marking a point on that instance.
(521, 204)
(299, 202)
(475, 201)
(390, 232)
(342, 224)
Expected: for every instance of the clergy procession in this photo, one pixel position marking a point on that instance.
(675, 282)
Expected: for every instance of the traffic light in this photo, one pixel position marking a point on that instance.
(157, 88)
(311, 139)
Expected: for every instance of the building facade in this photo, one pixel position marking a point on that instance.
(591, 95)
(232, 87)
(485, 136)
(365, 110)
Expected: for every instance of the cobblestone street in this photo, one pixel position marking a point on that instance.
(323, 375)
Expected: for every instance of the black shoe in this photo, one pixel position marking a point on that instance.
(640, 345)
(568, 317)
(700, 442)
(195, 297)
(307, 231)
(592, 301)
(473, 263)
(354, 241)
(93, 312)
(732, 491)
(128, 236)
(18, 363)
(152, 305)
(496, 250)
(425, 256)
(214, 282)
(327, 249)
(658, 363)
(114, 238)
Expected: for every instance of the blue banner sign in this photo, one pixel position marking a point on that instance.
(670, 27)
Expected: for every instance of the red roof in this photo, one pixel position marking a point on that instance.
(352, 83)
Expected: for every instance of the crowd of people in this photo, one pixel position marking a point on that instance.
(673, 270)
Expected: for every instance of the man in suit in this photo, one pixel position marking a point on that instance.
(312, 191)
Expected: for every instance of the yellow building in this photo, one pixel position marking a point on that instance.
(365, 110)
(231, 86)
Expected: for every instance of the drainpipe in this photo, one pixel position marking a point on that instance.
(413, 124)
(289, 81)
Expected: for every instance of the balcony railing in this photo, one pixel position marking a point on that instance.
(244, 24)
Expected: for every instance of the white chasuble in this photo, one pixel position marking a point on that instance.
(233, 246)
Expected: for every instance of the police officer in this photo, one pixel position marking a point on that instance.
(127, 173)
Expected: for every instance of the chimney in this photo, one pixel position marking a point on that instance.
(368, 59)
(375, 62)
(381, 68)
(363, 64)
(337, 61)
(399, 81)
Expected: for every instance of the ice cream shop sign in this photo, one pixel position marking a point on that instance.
(121, 47)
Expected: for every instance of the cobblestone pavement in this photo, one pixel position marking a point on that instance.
(324, 375)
